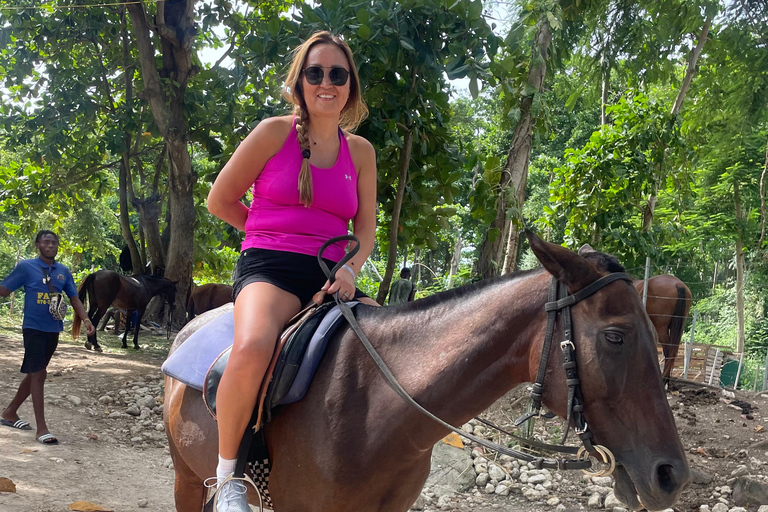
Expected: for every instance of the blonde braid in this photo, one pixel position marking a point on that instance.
(305, 176)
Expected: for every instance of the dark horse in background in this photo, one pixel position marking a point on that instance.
(106, 288)
(668, 303)
(358, 447)
(207, 297)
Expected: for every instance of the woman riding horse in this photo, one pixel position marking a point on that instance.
(310, 177)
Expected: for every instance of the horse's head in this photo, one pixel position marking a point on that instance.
(625, 404)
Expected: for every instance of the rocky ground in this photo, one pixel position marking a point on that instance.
(106, 409)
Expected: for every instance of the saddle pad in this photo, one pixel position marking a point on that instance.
(189, 363)
(291, 370)
(307, 365)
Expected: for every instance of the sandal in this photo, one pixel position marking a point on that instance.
(19, 424)
(47, 439)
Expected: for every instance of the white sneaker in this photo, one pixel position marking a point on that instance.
(231, 495)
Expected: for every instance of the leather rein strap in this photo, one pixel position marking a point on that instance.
(552, 307)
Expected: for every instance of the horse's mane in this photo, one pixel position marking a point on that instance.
(604, 261)
(459, 293)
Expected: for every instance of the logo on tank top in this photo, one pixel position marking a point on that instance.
(348, 177)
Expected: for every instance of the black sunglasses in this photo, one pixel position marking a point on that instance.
(315, 74)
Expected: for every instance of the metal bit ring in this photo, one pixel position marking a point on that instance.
(607, 456)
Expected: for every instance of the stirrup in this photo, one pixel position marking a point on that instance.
(213, 481)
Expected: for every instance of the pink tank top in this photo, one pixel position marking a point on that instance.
(277, 220)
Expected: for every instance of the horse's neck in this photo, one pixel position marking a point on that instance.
(461, 359)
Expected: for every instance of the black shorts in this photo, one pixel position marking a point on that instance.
(299, 274)
(39, 347)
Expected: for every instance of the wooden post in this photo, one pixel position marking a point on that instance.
(645, 281)
(765, 373)
(714, 363)
(689, 346)
(738, 372)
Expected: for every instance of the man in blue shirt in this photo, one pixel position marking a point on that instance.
(41, 330)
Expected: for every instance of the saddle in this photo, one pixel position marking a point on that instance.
(200, 361)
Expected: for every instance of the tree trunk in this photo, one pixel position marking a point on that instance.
(402, 179)
(515, 173)
(149, 217)
(691, 67)
(455, 260)
(739, 271)
(125, 222)
(168, 113)
(684, 86)
(762, 202)
(394, 228)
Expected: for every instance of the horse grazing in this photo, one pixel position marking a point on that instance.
(207, 297)
(106, 288)
(668, 303)
(360, 448)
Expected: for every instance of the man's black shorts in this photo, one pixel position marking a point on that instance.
(39, 347)
(297, 273)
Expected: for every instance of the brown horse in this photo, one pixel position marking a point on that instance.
(207, 297)
(357, 446)
(668, 303)
(106, 288)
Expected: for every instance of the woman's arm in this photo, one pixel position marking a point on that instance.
(364, 222)
(244, 167)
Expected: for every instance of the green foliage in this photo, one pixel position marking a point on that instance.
(622, 165)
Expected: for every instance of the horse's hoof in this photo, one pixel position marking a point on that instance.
(88, 345)
(136, 347)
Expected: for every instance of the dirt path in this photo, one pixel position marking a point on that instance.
(96, 460)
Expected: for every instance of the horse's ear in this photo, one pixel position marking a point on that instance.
(586, 249)
(567, 266)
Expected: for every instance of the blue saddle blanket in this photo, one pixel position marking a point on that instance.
(190, 362)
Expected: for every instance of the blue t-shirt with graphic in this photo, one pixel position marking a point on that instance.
(30, 274)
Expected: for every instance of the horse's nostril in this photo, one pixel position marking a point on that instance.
(666, 476)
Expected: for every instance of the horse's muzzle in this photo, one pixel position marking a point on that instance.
(658, 491)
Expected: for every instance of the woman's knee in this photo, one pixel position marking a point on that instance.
(252, 350)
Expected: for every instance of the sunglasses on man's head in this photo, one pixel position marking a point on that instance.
(337, 75)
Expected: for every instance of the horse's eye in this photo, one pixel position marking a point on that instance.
(614, 337)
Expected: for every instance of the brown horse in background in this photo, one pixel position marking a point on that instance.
(106, 288)
(357, 447)
(207, 297)
(668, 303)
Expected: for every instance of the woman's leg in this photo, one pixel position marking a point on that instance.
(261, 312)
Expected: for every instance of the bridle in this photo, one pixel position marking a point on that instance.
(558, 301)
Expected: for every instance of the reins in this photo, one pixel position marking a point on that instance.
(558, 300)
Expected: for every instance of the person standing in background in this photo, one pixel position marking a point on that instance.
(40, 329)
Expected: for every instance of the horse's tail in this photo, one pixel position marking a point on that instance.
(675, 327)
(191, 305)
(85, 287)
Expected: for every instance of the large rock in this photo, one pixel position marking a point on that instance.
(451, 470)
(700, 477)
(749, 492)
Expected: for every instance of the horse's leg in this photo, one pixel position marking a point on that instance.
(139, 314)
(188, 489)
(92, 342)
(192, 441)
(128, 314)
